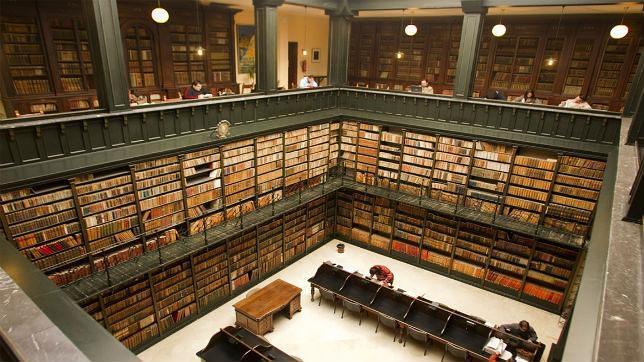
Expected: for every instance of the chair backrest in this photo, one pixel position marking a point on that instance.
(416, 334)
(386, 320)
(326, 294)
(354, 307)
(456, 351)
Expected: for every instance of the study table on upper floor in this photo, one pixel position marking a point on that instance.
(441, 323)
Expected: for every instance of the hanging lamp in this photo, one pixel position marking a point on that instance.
(411, 29)
(499, 29)
(552, 60)
(619, 31)
(304, 52)
(159, 14)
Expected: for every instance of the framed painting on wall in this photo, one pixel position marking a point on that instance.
(246, 48)
(316, 55)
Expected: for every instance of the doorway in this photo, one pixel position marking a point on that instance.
(292, 65)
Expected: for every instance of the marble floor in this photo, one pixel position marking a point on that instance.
(316, 334)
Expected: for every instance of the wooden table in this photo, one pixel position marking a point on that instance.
(255, 312)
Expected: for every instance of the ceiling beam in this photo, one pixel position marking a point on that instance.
(318, 4)
(362, 5)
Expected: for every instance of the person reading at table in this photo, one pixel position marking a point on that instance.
(383, 274)
(196, 90)
(579, 102)
(308, 82)
(522, 330)
(425, 88)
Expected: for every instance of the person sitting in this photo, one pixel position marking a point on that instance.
(132, 98)
(495, 94)
(196, 90)
(308, 82)
(383, 274)
(425, 88)
(528, 97)
(578, 102)
(522, 330)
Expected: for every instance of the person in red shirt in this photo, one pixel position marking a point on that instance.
(194, 91)
(383, 274)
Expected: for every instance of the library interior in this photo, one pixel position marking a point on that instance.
(322, 180)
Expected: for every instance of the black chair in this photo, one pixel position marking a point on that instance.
(388, 322)
(455, 351)
(352, 306)
(325, 294)
(418, 335)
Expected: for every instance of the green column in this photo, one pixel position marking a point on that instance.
(473, 18)
(106, 48)
(637, 89)
(339, 39)
(266, 43)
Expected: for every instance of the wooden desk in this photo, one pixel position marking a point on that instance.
(255, 313)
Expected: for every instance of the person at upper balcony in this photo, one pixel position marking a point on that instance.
(425, 88)
(495, 94)
(132, 98)
(196, 90)
(308, 82)
(579, 102)
(528, 97)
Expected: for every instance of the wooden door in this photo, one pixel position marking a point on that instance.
(292, 65)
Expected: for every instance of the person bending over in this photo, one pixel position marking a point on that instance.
(383, 274)
(195, 91)
(522, 330)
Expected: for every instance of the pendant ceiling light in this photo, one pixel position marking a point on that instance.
(159, 14)
(499, 29)
(619, 31)
(399, 53)
(304, 52)
(552, 60)
(200, 48)
(411, 29)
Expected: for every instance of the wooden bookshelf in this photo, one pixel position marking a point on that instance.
(174, 294)
(482, 65)
(72, 56)
(201, 177)
(188, 65)
(574, 194)
(334, 145)
(368, 142)
(270, 236)
(109, 216)
(159, 193)
(387, 39)
(417, 163)
(363, 219)
(410, 67)
(382, 225)
(361, 57)
(408, 231)
(489, 175)
(316, 222)
(549, 65)
(318, 154)
(295, 233)
(295, 160)
(348, 145)
(436, 54)
(242, 260)
(344, 213)
(471, 250)
(210, 268)
(130, 313)
(439, 238)
(452, 161)
(239, 177)
(43, 224)
(220, 39)
(270, 168)
(389, 159)
(141, 57)
(452, 56)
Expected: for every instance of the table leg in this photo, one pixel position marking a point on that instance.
(312, 292)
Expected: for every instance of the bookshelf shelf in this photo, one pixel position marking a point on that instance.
(239, 177)
(211, 275)
(201, 174)
(368, 143)
(187, 64)
(141, 58)
(295, 160)
(295, 233)
(318, 154)
(270, 241)
(174, 294)
(242, 259)
(270, 168)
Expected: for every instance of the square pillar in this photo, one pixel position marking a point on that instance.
(339, 41)
(473, 19)
(266, 43)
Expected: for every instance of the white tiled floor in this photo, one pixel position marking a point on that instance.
(316, 334)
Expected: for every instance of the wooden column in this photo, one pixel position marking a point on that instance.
(339, 40)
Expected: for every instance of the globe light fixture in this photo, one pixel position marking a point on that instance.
(304, 52)
(551, 61)
(411, 30)
(200, 51)
(399, 55)
(159, 14)
(618, 31)
(499, 30)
